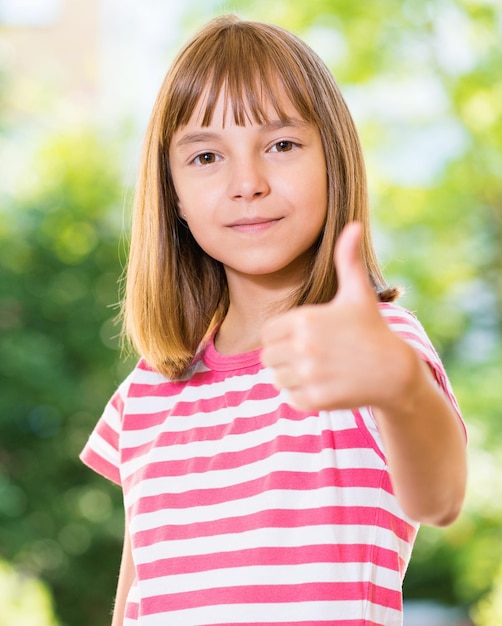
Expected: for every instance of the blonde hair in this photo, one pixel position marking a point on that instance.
(174, 290)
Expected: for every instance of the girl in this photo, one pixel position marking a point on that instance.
(275, 459)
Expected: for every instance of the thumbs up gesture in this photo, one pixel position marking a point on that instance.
(338, 355)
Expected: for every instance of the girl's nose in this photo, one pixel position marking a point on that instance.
(248, 180)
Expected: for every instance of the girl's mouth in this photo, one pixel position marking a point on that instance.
(254, 224)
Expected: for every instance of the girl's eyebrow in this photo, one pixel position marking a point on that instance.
(200, 136)
(288, 122)
(196, 137)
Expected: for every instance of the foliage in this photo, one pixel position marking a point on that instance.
(489, 610)
(25, 601)
(59, 266)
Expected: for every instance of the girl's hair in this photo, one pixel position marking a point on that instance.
(175, 292)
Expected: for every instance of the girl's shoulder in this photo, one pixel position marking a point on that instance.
(407, 325)
(395, 313)
(144, 380)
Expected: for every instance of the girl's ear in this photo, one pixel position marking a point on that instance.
(180, 211)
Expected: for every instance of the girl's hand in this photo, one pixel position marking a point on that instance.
(342, 354)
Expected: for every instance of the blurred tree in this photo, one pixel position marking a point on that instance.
(489, 610)
(59, 242)
(25, 601)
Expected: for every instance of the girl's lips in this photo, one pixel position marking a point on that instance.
(253, 225)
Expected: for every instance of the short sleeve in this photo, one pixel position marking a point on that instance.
(407, 326)
(102, 450)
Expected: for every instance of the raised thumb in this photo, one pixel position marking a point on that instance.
(352, 275)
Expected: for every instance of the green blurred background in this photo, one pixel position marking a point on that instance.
(423, 79)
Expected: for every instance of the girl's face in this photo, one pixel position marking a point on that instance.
(254, 196)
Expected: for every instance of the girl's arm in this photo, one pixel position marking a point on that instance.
(126, 578)
(343, 355)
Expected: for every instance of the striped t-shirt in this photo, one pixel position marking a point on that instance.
(244, 510)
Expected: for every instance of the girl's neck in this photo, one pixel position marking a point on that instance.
(237, 335)
(251, 303)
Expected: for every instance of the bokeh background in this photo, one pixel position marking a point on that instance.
(78, 78)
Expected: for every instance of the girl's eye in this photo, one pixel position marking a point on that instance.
(207, 158)
(283, 146)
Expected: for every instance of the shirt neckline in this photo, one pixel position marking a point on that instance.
(217, 361)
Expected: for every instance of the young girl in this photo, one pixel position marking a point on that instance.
(287, 427)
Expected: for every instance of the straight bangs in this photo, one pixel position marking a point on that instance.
(248, 64)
